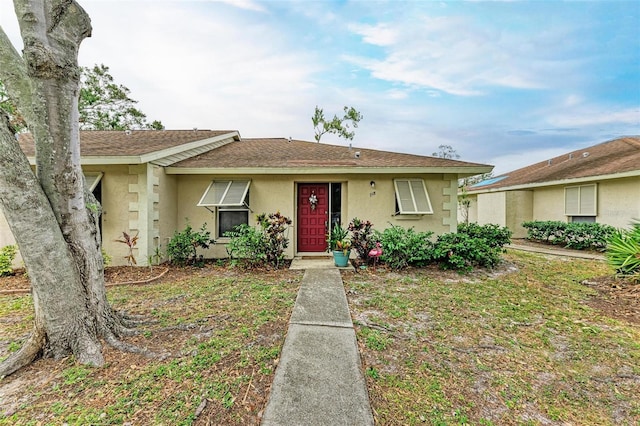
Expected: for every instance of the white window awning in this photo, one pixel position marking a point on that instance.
(412, 196)
(225, 193)
(91, 180)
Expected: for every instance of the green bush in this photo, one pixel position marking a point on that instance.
(405, 247)
(623, 250)
(579, 236)
(183, 246)
(496, 235)
(7, 254)
(550, 231)
(462, 252)
(248, 244)
(265, 245)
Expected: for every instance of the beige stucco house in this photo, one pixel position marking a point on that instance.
(153, 182)
(600, 184)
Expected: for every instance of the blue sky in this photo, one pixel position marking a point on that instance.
(504, 83)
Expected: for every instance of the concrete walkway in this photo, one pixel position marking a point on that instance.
(319, 379)
(557, 251)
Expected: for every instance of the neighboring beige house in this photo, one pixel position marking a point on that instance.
(600, 184)
(153, 182)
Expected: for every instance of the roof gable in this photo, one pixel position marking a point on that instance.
(162, 147)
(613, 157)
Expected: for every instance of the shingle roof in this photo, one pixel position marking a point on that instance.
(608, 158)
(110, 143)
(282, 153)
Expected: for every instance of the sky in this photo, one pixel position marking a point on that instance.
(507, 83)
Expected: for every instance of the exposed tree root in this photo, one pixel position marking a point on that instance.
(25, 356)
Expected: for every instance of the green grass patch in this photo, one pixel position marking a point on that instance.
(224, 335)
(519, 347)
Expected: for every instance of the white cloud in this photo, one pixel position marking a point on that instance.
(195, 68)
(586, 116)
(455, 54)
(379, 34)
(246, 4)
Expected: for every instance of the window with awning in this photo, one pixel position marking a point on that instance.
(226, 193)
(412, 197)
(91, 180)
(230, 202)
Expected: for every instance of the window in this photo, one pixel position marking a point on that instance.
(580, 200)
(91, 180)
(230, 198)
(412, 197)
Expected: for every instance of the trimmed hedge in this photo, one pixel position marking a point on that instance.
(472, 246)
(579, 236)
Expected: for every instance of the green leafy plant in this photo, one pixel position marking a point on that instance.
(362, 239)
(462, 252)
(574, 235)
(495, 235)
(247, 244)
(623, 250)
(260, 245)
(183, 247)
(7, 254)
(130, 241)
(339, 240)
(405, 247)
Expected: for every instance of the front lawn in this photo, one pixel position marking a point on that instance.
(218, 330)
(521, 346)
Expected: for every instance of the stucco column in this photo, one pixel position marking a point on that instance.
(450, 202)
(143, 212)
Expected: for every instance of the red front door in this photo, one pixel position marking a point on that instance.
(313, 214)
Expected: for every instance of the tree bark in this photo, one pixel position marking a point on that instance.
(52, 216)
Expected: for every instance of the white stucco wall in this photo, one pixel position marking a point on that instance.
(492, 208)
(619, 201)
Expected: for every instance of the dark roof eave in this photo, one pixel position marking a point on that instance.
(568, 181)
(461, 171)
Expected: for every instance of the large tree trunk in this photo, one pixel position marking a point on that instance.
(52, 217)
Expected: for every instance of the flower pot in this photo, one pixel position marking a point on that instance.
(340, 259)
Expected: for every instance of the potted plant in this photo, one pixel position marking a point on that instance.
(340, 245)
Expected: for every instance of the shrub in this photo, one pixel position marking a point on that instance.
(549, 231)
(623, 250)
(573, 235)
(361, 237)
(581, 236)
(405, 247)
(7, 254)
(183, 246)
(462, 252)
(246, 243)
(260, 246)
(495, 235)
(274, 226)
